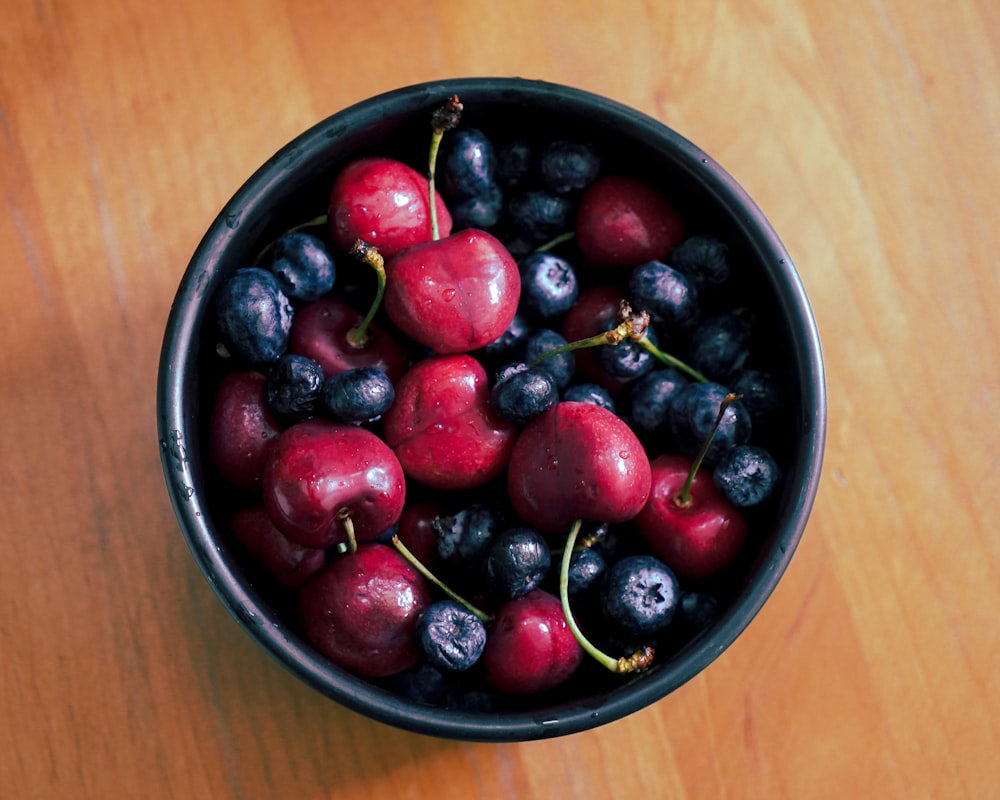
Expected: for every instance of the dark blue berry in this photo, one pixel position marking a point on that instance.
(746, 475)
(521, 393)
(549, 285)
(704, 260)
(422, 683)
(510, 344)
(464, 537)
(561, 366)
(468, 163)
(253, 315)
(449, 636)
(692, 414)
(482, 211)
(517, 562)
(586, 567)
(566, 166)
(699, 609)
(362, 394)
(293, 387)
(720, 345)
(590, 393)
(650, 396)
(760, 393)
(639, 596)
(303, 266)
(515, 164)
(539, 216)
(627, 359)
(666, 294)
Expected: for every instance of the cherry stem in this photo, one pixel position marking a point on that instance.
(443, 119)
(635, 662)
(315, 221)
(553, 243)
(351, 545)
(357, 337)
(683, 498)
(632, 325)
(408, 555)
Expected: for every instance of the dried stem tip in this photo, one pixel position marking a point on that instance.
(447, 116)
(639, 661)
(635, 322)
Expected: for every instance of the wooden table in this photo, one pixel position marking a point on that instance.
(868, 135)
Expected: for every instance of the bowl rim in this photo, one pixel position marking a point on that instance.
(177, 425)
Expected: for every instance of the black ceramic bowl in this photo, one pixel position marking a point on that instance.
(294, 185)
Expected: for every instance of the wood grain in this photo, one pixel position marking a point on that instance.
(868, 135)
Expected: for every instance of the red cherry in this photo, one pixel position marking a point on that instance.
(455, 294)
(361, 609)
(290, 563)
(577, 461)
(417, 533)
(441, 426)
(319, 331)
(319, 472)
(595, 310)
(383, 202)
(530, 648)
(696, 539)
(241, 429)
(623, 222)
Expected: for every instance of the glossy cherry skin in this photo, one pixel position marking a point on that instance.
(290, 563)
(241, 429)
(530, 648)
(361, 610)
(453, 295)
(319, 471)
(385, 203)
(623, 222)
(319, 332)
(595, 310)
(441, 426)
(577, 461)
(694, 541)
(416, 531)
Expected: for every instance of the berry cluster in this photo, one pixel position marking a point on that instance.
(484, 424)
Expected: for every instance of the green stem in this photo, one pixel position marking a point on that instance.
(357, 337)
(670, 360)
(408, 555)
(683, 498)
(558, 240)
(443, 119)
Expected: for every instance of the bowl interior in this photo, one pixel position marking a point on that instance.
(293, 186)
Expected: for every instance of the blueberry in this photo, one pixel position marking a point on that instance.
(422, 683)
(510, 343)
(515, 164)
(699, 609)
(464, 537)
(720, 345)
(704, 260)
(650, 396)
(549, 285)
(666, 294)
(517, 562)
(590, 393)
(538, 215)
(586, 568)
(566, 166)
(627, 359)
(449, 636)
(639, 596)
(293, 387)
(254, 315)
(362, 394)
(561, 366)
(482, 211)
(303, 266)
(468, 164)
(522, 393)
(746, 475)
(692, 414)
(760, 393)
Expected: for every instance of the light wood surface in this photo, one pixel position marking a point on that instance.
(868, 132)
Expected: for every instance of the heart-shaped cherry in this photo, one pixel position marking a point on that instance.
(361, 610)
(577, 461)
(290, 563)
(325, 482)
(384, 202)
(441, 426)
(530, 648)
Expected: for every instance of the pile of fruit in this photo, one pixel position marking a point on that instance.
(488, 423)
